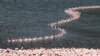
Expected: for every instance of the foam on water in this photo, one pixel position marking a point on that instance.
(74, 15)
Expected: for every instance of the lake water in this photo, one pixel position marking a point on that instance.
(24, 19)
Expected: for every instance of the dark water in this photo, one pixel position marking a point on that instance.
(20, 18)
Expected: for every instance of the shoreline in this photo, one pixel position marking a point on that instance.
(50, 52)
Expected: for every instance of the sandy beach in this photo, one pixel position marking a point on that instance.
(50, 52)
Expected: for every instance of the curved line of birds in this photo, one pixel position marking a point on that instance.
(74, 15)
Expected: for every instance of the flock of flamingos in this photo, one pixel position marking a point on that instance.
(74, 15)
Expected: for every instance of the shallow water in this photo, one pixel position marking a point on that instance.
(25, 19)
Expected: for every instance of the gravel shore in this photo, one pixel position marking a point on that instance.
(50, 52)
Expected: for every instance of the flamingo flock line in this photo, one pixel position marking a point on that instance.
(74, 15)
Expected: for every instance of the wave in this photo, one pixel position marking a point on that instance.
(74, 14)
